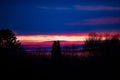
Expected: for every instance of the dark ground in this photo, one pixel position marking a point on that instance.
(41, 68)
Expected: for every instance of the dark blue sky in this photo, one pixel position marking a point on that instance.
(59, 16)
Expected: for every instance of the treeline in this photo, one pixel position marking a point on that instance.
(103, 45)
(96, 45)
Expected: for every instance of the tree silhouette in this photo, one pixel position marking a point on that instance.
(56, 51)
(108, 47)
(111, 46)
(92, 44)
(9, 44)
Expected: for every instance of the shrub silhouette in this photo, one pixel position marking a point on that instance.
(71, 50)
(9, 45)
(56, 51)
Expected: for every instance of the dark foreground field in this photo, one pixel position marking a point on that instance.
(42, 67)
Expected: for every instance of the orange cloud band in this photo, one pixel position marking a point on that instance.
(43, 38)
(37, 39)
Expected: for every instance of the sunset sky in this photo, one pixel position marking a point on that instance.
(67, 20)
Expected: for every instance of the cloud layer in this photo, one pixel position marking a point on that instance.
(79, 7)
(54, 8)
(95, 21)
(96, 7)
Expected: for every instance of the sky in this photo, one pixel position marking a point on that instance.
(30, 18)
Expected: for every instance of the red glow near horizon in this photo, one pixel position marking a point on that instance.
(46, 40)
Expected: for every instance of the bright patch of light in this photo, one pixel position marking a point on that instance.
(42, 38)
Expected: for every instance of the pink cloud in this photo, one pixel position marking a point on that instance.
(49, 43)
(96, 21)
(76, 39)
(96, 8)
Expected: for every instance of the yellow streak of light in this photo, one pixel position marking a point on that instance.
(42, 38)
